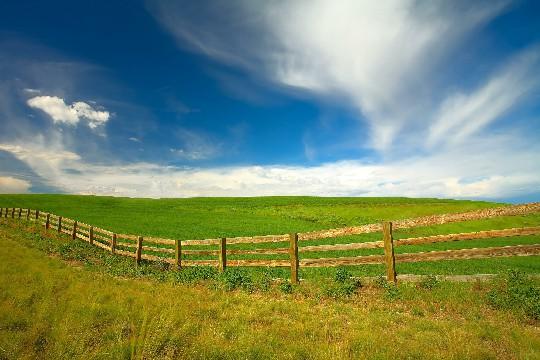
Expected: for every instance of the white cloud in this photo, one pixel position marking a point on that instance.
(11, 185)
(496, 168)
(60, 112)
(382, 56)
(461, 115)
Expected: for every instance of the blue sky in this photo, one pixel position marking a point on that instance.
(241, 98)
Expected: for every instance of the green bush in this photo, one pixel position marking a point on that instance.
(190, 275)
(236, 278)
(391, 290)
(344, 285)
(515, 291)
(429, 282)
(286, 287)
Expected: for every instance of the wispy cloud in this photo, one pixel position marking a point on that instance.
(382, 56)
(461, 114)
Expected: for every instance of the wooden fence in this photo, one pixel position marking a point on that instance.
(174, 251)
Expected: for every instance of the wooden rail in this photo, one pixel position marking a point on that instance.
(174, 252)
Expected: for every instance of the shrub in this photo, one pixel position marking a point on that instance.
(236, 278)
(391, 290)
(515, 291)
(286, 287)
(344, 285)
(429, 282)
(195, 274)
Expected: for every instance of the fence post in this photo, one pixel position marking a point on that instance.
(113, 243)
(178, 253)
(13, 213)
(389, 252)
(139, 250)
(74, 232)
(293, 252)
(222, 254)
(1, 212)
(91, 235)
(59, 224)
(37, 215)
(27, 214)
(47, 221)
(20, 212)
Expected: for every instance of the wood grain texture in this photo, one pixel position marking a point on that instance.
(161, 241)
(389, 252)
(294, 262)
(201, 242)
(261, 263)
(476, 253)
(488, 234)
(342, 247)
(222, 254)
(178, 253)
(113, 243)
(157, 249)
(138, 251)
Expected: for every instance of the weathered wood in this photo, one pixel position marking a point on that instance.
(258, 251)
(157, 258)
(293, 253)
(488, 234)
(222, 254)
(342, 247)
(201, 242)
(20, 212)
(200, 262)
(37, 214)
(178, 253)
(91, 235)
(389, 252)
(156, 240)
(1, 212)
(201, 252)
(262, 263)
(475, 253)
(113, 243)
(341, 261)
(13, 213)
(47, 221)
(138, 253)
(74, 233)
(125, 253)
(257, 239)
(27, 214)
(425, 221)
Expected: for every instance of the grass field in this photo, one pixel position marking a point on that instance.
(200, 218)
(65, 299)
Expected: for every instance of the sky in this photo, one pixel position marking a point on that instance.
(251, 98)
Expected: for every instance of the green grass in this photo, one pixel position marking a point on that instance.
(64, 299)
(199, 218)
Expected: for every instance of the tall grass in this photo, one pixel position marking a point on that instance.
(82, 303)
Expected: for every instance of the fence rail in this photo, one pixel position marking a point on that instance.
(174, 251)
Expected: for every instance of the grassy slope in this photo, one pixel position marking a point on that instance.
(49, 309)
(210, 217)
(199, 218)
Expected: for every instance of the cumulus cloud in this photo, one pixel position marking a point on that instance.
(481, 169)
(60, 112)
(11, 185)
(381, 56)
